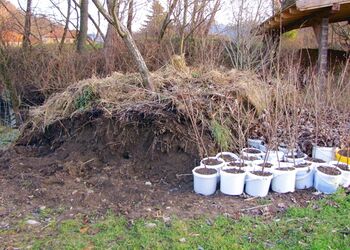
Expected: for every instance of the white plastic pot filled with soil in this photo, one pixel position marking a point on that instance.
(327, 179)
(249, 160)
(315, 161)
(252, 152)
(345, 172)
(258, 183)
(283, 180)
(304, 176)
(284, 164)
(261, 164)
(232, 180)
(296, 158)
(227, 156)
(213, 162)
(324, 153)
(204, 180)
(239, 165)
(274, 156)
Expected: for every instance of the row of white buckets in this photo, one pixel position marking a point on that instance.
(278, 179)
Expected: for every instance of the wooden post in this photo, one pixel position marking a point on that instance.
(321, 32)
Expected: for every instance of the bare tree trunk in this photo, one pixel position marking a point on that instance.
(110, 41)
(184, 21)
(84, 17)
(212, 17)
(130, 15)
(96, 24)
(66, 27)
(128, 41)
(167, 20)
(27, 26)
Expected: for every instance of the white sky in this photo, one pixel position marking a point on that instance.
(143, 8)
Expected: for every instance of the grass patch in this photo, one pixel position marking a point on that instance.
(324, 224)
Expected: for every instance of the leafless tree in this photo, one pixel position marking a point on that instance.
(66, 27)
(167, 19)
(130, 15)
(84, 17)
(27, 26)
(124, 33)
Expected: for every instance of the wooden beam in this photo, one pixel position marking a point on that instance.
(317, 4)
(308, 20)
(294, 11)
(286, 15)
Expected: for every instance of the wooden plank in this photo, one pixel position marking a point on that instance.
(317, 4)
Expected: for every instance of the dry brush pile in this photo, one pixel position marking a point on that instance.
(214, 110)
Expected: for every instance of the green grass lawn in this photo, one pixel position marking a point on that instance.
(325, 224)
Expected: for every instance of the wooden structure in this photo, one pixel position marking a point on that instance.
(318, 14)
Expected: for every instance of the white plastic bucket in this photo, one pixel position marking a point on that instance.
(217, 167)
(345, 180)
(260, 154)
(274, 156)
(257, 167)
(230, 183)
(255, 143)
(219, 155)
(286, 150)
(304, 177)
(283, 181)
(204, 184)
(257, 186)
(284, 164)
(299, 160)
(315, 164)
(324, 153)
(327, 184)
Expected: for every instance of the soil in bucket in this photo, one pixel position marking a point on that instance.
(329, 170)
(234, 171)
(261, 173)
(252, 151)
(343, 167)
(303, 165)
(211, 162)
(285, 169)
(265, 165)
(250, 158)
(316, 160)
(344, 152)
(206, 171)
(237, 164)
(227, 158)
